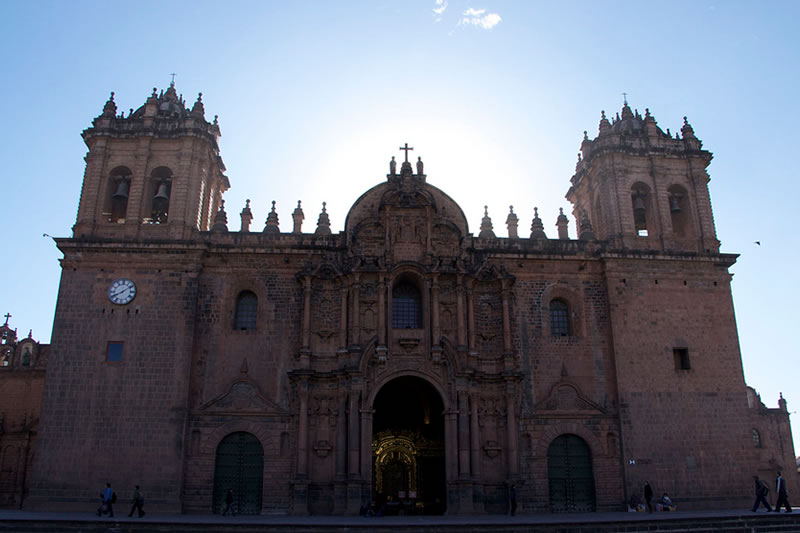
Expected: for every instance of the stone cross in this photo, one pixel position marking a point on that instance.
(8, 315)
(406, 150)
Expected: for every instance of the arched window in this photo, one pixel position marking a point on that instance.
(640, 200)
(406, 306)
(756, 439)
(246, 310)
(679, 211)
(117, 197)
(559, 318)
(160, 190)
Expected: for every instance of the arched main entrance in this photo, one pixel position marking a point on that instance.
(239, 466)
(408, 452)
(569, 470)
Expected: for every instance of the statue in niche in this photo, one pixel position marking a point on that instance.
(419, 166)
(392, 167)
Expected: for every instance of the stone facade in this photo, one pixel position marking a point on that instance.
(22, 370)
(403, 361)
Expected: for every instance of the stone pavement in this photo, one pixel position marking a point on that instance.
(721, 520)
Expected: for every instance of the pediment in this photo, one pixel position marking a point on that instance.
(564, 398)
(242, 398)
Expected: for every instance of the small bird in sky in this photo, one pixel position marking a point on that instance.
(758, 243)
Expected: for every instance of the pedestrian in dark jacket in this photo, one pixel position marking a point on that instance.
(137, 502)
(228, 503)
(648, 496)
(761, 495)
(783, 496)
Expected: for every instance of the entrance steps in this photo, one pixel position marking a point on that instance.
(678, 522)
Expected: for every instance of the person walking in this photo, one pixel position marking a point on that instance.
(108, 499)
(783, 496)
(137, 502)
(761, 495)
(648, 496)
(229, 503)
(512, 498)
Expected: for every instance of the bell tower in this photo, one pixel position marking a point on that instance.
(642, 188)
(154, 174)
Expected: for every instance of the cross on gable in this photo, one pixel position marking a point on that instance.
(8, 315)
(406, 150)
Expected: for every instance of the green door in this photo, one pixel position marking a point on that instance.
(239, 466)
(569, 469)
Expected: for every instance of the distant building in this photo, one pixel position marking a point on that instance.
(404, 360)
(22, 369)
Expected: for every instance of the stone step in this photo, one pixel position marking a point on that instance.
(753, 523)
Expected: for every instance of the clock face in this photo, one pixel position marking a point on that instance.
(122, 291)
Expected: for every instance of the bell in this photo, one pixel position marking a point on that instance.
(638, 204)
(122, 190)
(161, 200)
(674, 204)
(162, 193)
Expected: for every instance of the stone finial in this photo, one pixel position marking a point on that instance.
(198, 109)
(323, 223)
(561, 223)
(537, 228)
(626, 111)
(272, 221)
(247, 217)
(605, 125)
(220, 219)
(486, 225)
(512, 221)
(298, 217)
(782, 404)
(420, 166)
(392, 167)
(110, 109)
(587, 233)
(686, 130)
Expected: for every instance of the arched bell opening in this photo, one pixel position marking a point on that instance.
(119, 186)
(158, 193)
(679, 212)
(408, 448)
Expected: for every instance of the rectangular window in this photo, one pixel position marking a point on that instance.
(681, 356)
(114, 352)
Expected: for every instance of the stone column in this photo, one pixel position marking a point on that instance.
(437, 334)
(302, 436)
(343, 318)
(306, 311)
(353, 434)
(341, 436)
(381, 310)
(340, 486)
(462, 336)
(506, 317)
(471, 317)
(366, 447)
(451, 448)
(463, 436)
(475, 437)
(355, 332)
(511, 430)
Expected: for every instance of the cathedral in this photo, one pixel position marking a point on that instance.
(404, 364)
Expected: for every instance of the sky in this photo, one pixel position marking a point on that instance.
(314, 97)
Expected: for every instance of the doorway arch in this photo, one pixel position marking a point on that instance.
(239, 466)
(569, 471)
(408, 448)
